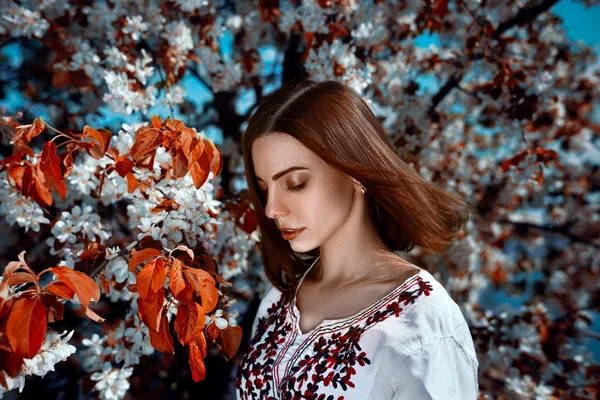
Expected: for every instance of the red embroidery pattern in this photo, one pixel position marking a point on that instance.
(256, 367)
(333, 359)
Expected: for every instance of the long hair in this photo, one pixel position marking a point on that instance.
(336, 124)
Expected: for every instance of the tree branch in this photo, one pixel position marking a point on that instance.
(523, 16)
(561, 229)
(108, 259)
(591, 334)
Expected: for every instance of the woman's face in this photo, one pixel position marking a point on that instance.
(311, 195)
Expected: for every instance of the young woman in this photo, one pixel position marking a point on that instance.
(346, 317)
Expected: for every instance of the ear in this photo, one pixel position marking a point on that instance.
(357, 185)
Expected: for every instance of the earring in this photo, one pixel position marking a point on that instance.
(363, 190)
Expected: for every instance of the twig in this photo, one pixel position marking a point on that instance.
(524, 15)
(560, 229)
(108, 259)
(591, 334)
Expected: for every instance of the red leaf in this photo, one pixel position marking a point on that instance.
(93, 316)
(162, 340)
(196, 361)
(231, 338)
(150, 311)
(11, 363)
(15, 173)
(49, 168)
(132, 182)
(214, 155)
(176, 282)
(21, 277)
(204, 285)
(440, 8)
(123, 166)
(94, 255)
(157, 122)
(61, 289)
(60, 78)
(26, 327)
(188, 251)
(50, 163)
(139, 256)
(6, 307)
(151, 278)
(86, 289)
(200, 341)
(56, 311)
(250, 221)
(147, 242)
(212, 331)
(101, 137)
(61, 188)
(166, 205)
(34, 188)
(66, 163)
(187, 294)
(192, 147)
(24, 149)
(55, 308)
(190, 322)
(180, 163)
(147, 139)
(199, 170)
(28, 132)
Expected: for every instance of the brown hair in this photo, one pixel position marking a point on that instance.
(336, 124)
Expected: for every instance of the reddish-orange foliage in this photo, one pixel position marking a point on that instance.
(150, 309)
(197, 293)
(190, 152)
(190, 322)
(86, 289)
(151, 278)
(192, 279)
(196, 360)
(28, 132)
(24, 318)
(540, 156)
(26, 326)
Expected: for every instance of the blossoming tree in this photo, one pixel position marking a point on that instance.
(503, 110)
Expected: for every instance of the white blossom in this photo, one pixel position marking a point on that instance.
(54, 350)
(19, 209)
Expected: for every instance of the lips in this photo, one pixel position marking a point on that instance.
(291, 235)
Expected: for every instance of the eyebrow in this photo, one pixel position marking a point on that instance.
(282, 173)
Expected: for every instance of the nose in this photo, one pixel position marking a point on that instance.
(274, 208)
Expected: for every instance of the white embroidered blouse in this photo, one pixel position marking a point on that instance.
(412, 344)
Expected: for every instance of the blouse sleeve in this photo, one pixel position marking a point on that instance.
(441, 369)
(267, 300)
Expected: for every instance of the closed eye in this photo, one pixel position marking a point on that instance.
(293, 188)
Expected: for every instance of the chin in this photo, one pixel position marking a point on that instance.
(301, 247)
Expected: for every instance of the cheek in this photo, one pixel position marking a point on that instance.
(330, 203)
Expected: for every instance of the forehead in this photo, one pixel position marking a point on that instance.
(277, 151)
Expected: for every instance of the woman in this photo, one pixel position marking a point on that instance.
(346, 317)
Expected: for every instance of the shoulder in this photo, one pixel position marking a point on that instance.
(269, 305)
(427, 315)
(272, 295)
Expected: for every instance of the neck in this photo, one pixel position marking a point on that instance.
(355, 253)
